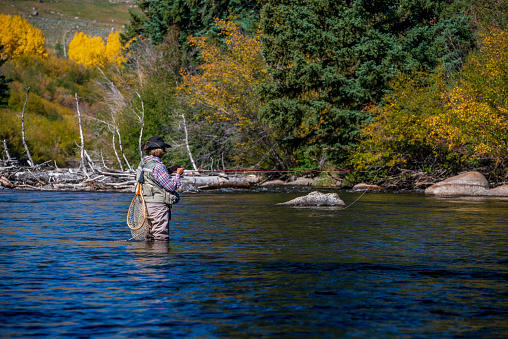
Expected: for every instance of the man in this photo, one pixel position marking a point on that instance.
(158, 187)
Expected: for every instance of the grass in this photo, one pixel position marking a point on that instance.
(60, 19)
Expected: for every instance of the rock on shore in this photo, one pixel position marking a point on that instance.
(466, 184)
(316, 199)
(366, 187)
(501, 191)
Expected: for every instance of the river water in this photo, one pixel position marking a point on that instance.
(392, 265)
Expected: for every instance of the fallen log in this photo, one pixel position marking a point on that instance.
(226, 184)
(6, 183)
(208, 182)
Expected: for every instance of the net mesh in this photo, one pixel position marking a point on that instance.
(136, 218)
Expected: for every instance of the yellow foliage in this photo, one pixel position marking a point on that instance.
(92, 51)
(18, 37)
(224, 86)
(226, 78)
(399, 128)
(114, 49)
(466, 121)
(476, 120)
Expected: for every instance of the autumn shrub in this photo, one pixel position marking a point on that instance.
(10, 127)
(398, 134)
(460, 122)
(52, 140)
(474, 125)
(18, 37)
(223, 92)
(93, 51)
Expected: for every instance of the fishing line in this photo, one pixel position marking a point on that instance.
(355, 200)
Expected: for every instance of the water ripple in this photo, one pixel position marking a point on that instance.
(391, 266)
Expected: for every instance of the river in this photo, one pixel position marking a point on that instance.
(392, 265)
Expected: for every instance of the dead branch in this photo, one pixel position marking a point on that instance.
(30, 161)
(82, 165)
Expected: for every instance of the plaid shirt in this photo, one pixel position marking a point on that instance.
(162, 176)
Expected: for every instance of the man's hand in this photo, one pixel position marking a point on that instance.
(173, 169)
(176, 168)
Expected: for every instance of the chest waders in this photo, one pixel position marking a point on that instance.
(153, 192)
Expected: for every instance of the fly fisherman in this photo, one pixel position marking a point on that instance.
(158, 187)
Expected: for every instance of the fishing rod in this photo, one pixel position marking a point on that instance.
(265, 171)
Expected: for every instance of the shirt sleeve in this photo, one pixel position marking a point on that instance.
(162, 176)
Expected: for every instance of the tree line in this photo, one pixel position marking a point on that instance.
(353, 84)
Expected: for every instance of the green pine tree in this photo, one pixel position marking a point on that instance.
(190, 16)
(4, 88)
(331, 59)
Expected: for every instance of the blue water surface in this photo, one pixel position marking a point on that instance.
(393, 265)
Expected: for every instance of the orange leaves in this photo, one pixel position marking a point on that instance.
(92, 51)
(223, 89)
(227, 77)
(18, 37)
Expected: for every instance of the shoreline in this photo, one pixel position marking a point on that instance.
(45, 177)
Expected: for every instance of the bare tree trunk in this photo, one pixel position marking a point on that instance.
(121, 149)
(90, 162)
(82, 164)
(116, 153)
(142, 120)
(103, 163)
(30, 161)
(7, 150)
(187, 144)
(64, 47)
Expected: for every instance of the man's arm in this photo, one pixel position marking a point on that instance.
(162, 176)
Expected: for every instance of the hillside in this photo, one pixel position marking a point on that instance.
(59, 19)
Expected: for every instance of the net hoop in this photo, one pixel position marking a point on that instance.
(134, 201)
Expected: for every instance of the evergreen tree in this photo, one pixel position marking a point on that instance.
(331, 59)
(4, 87)
(190, 16)
(4, 91)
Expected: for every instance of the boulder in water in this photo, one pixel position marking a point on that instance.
(316, 199)
(501, 191)
(466, 184)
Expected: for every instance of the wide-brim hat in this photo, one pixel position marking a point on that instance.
(155, 142)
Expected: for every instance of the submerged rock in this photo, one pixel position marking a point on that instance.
(466, 184)
(316, 199)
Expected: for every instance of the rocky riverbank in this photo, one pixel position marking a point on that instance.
(46, 177)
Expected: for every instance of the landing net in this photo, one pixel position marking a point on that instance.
(136, 217)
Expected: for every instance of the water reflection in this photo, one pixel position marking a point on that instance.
(237, 265)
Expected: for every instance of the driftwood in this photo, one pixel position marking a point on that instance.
(47, 177)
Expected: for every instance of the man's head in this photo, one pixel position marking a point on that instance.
(155, 146)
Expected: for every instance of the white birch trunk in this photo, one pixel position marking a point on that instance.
(116, 153)
(103, 162)
(142, 120)
(6, 150)
(121, 149)
(30, 161)
(187, 144)
(82, 164)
